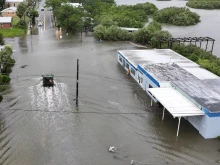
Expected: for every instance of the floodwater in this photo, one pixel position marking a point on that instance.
(42, 126)
(208, 27)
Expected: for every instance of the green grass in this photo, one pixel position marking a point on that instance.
(13, 32)
(15, 20)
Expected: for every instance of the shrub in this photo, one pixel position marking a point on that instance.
(1, 39)
(4, 79)
(201, 4)
(22, 24)
(1, 98)
(112, 33)
(179, 16)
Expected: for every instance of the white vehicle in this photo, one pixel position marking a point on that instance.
(40, 23)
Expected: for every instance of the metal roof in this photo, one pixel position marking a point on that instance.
(175, 102)
(5, 19)
(128, 29)
(201, 73)
(72, 4)
(10, 9)
(168, 72)
(152, 56)
(204, 92)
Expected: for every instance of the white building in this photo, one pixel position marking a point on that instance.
(13, 3)
(74, 5)
(180, 85)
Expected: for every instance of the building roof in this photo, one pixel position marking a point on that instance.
(5, 19)
(201, 73)
(73, 4)
(10, 9)
(14, 1)
(129, 29)
(153, 56)
(144, 58)
(204, 92)
(175, 102)
(168, 72)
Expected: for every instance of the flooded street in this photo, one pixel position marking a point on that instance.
(42, 126)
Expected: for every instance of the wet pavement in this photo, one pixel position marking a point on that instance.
(42, 126)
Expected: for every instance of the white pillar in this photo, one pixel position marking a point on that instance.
(163, 113)
(151, 102)
(178, 127)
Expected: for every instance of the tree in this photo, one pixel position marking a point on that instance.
(21, 9)
(32, 13)
(2, 4)
(1, 39)
(54, 4)
(70, 18)
(5, 59)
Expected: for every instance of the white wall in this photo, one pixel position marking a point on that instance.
(210, 127)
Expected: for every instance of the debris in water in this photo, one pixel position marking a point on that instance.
(23, 66)
(112, 149)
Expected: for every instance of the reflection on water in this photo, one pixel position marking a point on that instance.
(41, 125)
(49, 98)
(208, 27)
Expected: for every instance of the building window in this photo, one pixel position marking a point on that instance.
(140, 79)
(132, 71)
(127, 65)
(12, 12)
(120, 59)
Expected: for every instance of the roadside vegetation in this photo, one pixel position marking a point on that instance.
(179, 16)
(5, 65)
(102, 12)
(146, 36)
(204, 59)
(201, 4)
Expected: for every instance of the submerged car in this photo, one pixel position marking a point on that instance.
(48, 80)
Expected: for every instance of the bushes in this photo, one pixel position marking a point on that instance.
(126, 15)
(112, 33)
(147, 7)
(1, 98)
(201, 4)
(150, 34)
(177, 16)
(4, 79)
(204, 59)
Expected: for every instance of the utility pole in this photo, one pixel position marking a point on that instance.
(77, 85)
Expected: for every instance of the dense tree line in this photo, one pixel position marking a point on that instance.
(201, 4)
(198, 55)
(126, 15)
(179, 16)
(147, 36)
(104, 12)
